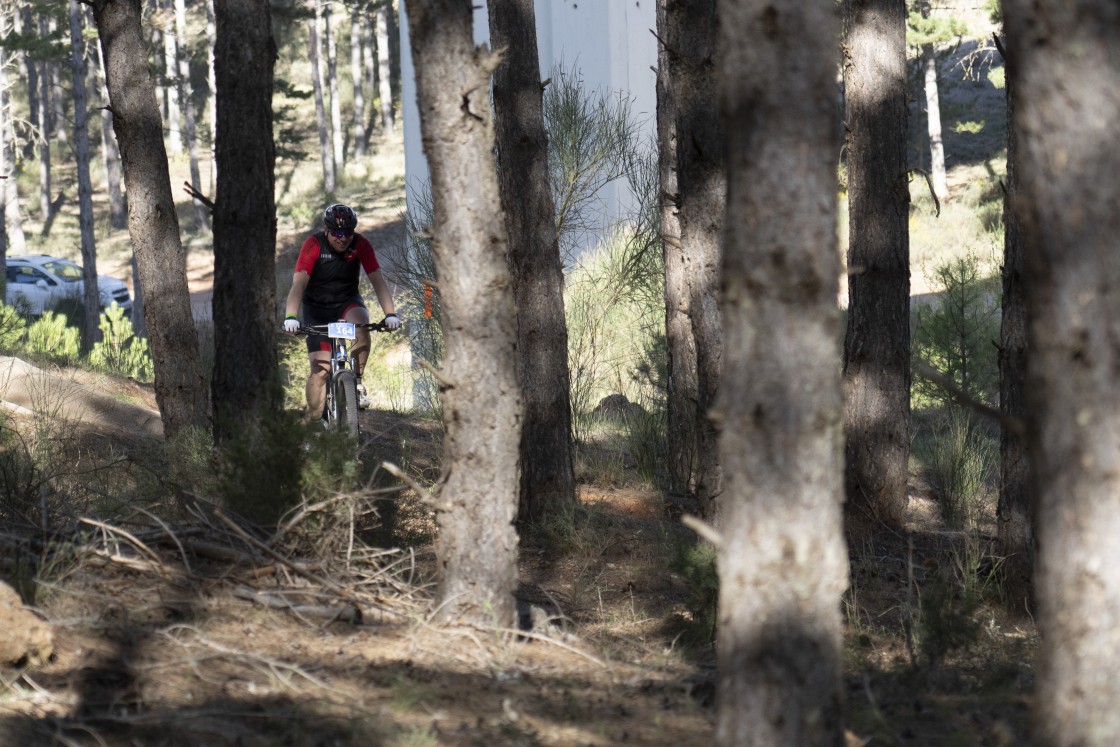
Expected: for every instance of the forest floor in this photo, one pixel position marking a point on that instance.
(191, 632)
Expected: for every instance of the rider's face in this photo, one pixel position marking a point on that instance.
(339, 244)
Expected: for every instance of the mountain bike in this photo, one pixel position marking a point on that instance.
(340, 411)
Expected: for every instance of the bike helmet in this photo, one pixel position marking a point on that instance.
(340, 218)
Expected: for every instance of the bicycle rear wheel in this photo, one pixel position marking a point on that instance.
(346, 403)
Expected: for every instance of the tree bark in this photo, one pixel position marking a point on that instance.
(782, 561)
(357, 47)
(384, 72)
(337, 144)
(152, 223)
(933, 116)
(1066, 128)
(6, 160)
(691, 30)
(877, 343)
(171, 78)
(201, 214)
(682, 396)
(91, 299)
(1015, 510)
(14, 238)
(245, 358)
(326, 150)
(46, 122)
(111, 157)
(547, 479)
(477, 544)
(211, 33)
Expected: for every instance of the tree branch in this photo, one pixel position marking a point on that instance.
(195, 194)
(1012, 424)
(932, 193)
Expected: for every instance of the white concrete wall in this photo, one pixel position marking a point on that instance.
(610, 42)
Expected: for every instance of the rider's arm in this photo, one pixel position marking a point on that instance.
(300, 280)
(381, 288)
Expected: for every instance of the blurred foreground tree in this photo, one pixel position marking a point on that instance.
(1066, 77)
(782, 559)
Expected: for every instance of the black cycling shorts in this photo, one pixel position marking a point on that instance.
(316, 315)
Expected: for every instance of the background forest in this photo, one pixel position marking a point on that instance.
(196, 595)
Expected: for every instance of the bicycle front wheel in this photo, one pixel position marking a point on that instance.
(346, 403)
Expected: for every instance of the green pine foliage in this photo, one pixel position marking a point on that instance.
(120, 351)
(955, 334)
(50, 337)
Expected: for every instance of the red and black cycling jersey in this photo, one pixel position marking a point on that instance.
(334, 276)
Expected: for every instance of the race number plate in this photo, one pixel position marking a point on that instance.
(340, 330)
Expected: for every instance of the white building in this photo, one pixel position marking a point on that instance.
(610, 42)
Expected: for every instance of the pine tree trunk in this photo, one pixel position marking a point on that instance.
(782, 563)
(357, 48)
(691, 30)
(5, 163)
(46, 123)
(477, 545)
(369, 71)
(1015, 510)
(682, 395)
(933, 125)
(877, 343)
(201, 213)
(384, 74)
(27, 24)
(337, 144)
(245, 357)
(213, 86)
(1066, 78)
(111, 158)
(547, 479)
(91, 299)
(180, 389)
(16, 242)
(57, 105)
(171, 79)
(326, 151)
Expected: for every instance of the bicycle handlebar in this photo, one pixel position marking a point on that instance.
(322, 328)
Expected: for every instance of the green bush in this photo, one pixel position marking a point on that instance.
(959, 458)
(52, 338)
(955, 334)
(120, 351)
(13, 328)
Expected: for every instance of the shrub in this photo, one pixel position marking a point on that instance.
(51, 337)
(120, 351)
(956, 332)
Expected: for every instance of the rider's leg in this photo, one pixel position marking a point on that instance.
(316, 389)
(360, 350)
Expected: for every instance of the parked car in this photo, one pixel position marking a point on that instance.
(38, 282)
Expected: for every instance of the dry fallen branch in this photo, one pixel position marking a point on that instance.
(345, 613)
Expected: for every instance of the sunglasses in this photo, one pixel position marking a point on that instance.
(342, 234)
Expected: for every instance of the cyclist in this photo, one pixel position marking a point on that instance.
(325, 283)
